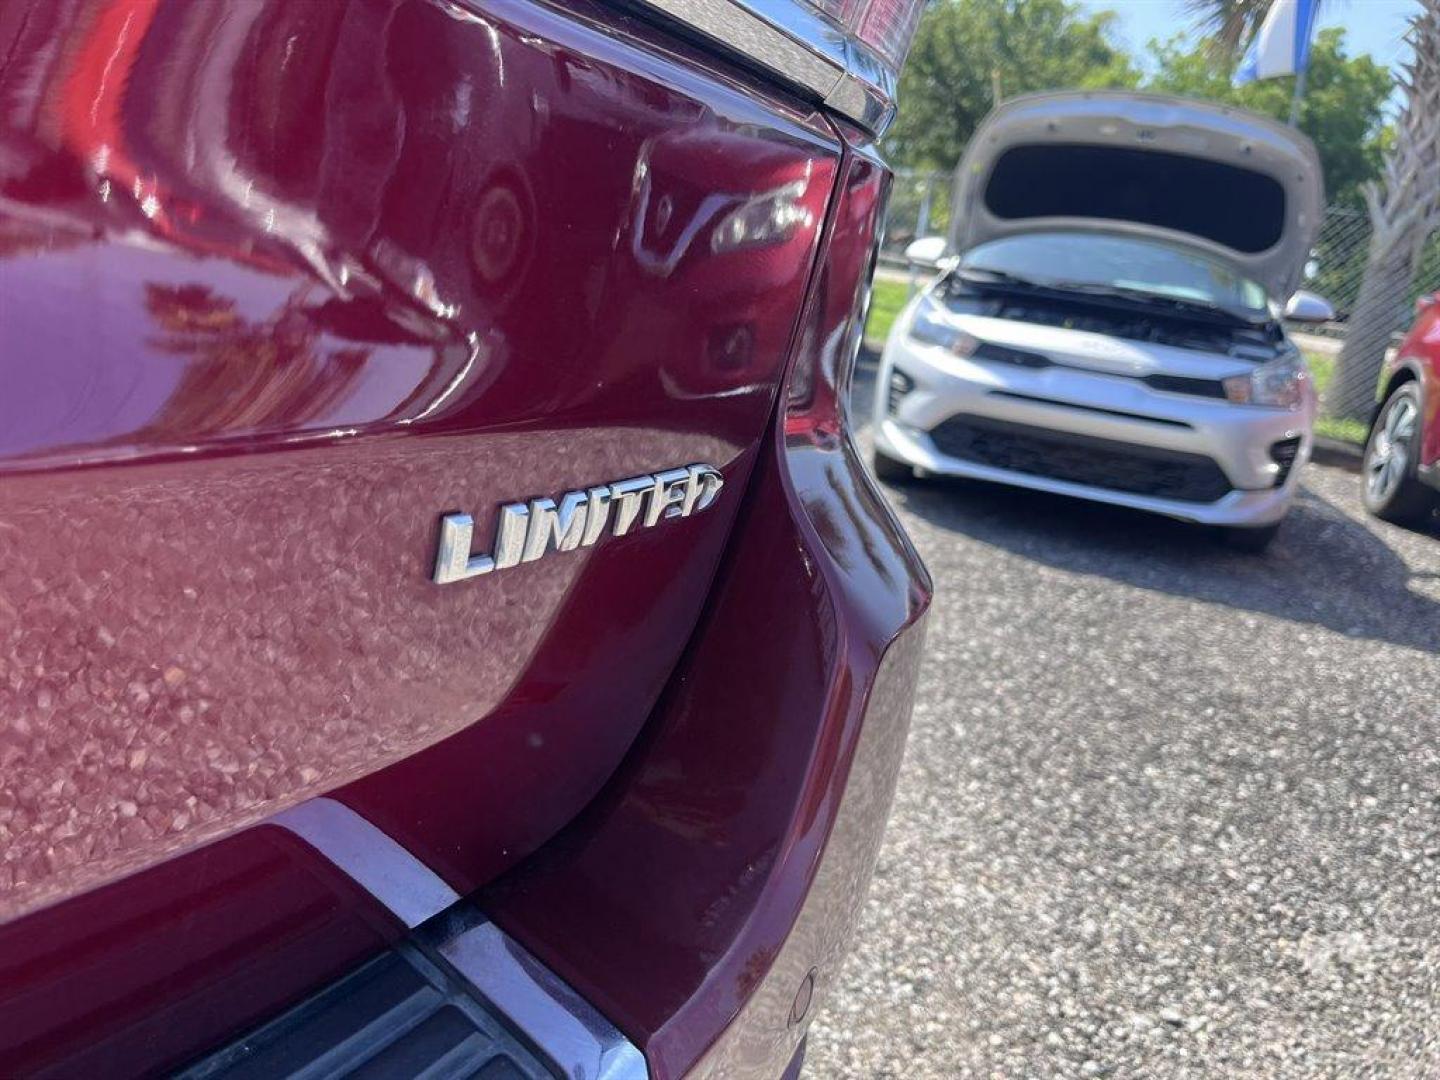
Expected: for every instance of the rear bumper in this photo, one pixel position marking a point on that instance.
(462, 996)
(459, 995)
(771, 1025)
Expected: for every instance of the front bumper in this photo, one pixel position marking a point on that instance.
(1111, 410)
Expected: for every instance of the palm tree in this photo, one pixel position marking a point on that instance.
(1404, 205)
(1229, 23)
(1404, 211)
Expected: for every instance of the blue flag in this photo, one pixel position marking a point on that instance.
(1282, 45)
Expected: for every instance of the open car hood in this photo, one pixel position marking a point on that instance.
(1238, 186)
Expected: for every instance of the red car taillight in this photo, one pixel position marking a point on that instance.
(886, 26)
(847, 53)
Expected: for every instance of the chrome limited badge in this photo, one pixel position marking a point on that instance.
(525, 532)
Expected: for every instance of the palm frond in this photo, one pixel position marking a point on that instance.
(1229, 24)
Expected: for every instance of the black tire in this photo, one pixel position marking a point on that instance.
(1251, 541)
(1397, 494)
(891, 470)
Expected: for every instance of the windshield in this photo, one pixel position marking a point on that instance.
(1095, 261)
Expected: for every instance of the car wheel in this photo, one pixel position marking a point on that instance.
(1252, 541)
(892, 470)
(1389, 486)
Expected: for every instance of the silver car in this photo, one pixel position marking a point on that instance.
(1109, 326)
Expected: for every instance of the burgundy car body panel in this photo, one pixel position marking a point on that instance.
(233, 420)
(280, 284)
(750, 752)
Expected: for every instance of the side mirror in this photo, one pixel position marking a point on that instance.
(1308, 307)
(927, 251)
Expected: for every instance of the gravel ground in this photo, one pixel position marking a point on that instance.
(1167, 810)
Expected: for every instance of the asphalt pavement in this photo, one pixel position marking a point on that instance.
(1167, 809)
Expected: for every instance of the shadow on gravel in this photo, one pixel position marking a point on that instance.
(1324, 569)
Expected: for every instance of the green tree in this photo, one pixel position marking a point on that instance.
(1342, 110)
(965, 49)
(1401, 198)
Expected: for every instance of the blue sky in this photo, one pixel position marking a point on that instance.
(1373, 26)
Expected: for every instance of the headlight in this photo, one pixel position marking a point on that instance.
(1278, 383)
(931, 325)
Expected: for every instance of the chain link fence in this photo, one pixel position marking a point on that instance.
(1337, 268)
(920, 206)
(1337, 264)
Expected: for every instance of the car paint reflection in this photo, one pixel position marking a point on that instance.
(250, 253)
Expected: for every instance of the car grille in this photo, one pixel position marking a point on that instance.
(1184, 384)
(1082, 459)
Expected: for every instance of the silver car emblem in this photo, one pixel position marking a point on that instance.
(525, 532)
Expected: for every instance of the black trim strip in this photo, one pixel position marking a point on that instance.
(995, 353)
(1086, 460)
(1185, 384)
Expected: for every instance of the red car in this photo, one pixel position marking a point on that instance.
(445, 626)
(1402, 455)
